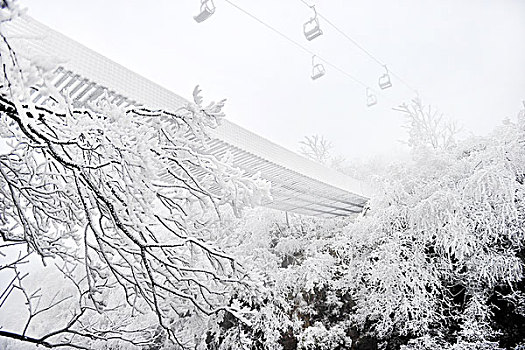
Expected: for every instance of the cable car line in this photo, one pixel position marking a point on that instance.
(363, 49)
(271, 28)
(302, 47)
(208, 8)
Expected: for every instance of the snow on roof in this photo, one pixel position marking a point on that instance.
(298, 184)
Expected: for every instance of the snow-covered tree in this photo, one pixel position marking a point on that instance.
(427, 127)
(320, 150)
(440, 255)
(317, 148)
(124, 203)
(128, 207)
(436, 263)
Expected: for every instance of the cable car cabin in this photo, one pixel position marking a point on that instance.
(312, 29)
(371, 99)
(318, 71)
(384, 80)
(207, 9)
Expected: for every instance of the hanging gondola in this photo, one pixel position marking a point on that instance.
(207, 9)
(317, 69)
(371, 99)
(311, 27)
(384, 80)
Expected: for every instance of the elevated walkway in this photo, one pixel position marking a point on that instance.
(298, 184)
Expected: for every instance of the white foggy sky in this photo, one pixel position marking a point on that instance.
(465, 57)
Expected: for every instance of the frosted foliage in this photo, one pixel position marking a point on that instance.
(144, 228)
(433, 264)
(430, 343)
(427, 128)
(293, 263)
(450, 224)
(317, 337)
(124, 202)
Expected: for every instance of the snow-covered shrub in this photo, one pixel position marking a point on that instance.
(317, 337)
(441, 250)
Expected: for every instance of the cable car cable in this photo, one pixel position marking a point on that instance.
(303, 48)
(360, 47)
(271, 28)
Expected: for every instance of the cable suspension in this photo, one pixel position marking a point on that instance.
(301, 47)
(362, 48)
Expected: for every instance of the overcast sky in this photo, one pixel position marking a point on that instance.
(465, 57)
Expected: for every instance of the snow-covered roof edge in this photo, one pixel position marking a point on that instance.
(40, 40)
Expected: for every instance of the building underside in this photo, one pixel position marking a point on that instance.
(298, 184)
